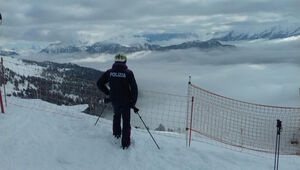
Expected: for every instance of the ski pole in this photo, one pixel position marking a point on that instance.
(136, 110)
(277, 147)
(101, 111)
(100, 115)
(278, 151)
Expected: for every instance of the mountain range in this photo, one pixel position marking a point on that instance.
(275, 32)
(270, 34)
(166, 41)
(113, 48)
(155, 37)
(155, 41)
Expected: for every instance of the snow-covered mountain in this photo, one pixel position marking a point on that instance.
(7, 52)
(60, 47)
(168, 41)
(211, 44)
(113, 48)
(156, 37)
(236, 34)
(277, 32)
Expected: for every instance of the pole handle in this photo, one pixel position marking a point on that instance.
(135, 109)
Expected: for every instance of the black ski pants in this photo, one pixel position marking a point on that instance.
(123, 111)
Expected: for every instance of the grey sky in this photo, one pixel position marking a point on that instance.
(73, 20)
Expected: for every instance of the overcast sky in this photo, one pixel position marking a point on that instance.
(92, 20)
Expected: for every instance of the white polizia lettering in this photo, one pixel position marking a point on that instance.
(114, 74)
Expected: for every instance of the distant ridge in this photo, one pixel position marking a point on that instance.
(113, 48)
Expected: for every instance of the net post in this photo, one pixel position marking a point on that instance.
(3, 80)
(1, 103)
(187, 114)
(192, 107)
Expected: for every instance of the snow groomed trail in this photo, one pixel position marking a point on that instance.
(38, 140)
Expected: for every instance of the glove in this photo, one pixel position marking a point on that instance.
(104, 100)
(135, 109)
(107, 100)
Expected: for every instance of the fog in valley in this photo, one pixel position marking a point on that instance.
(262, 71)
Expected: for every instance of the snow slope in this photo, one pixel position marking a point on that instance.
(39, 140)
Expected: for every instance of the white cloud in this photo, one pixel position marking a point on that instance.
(101, 58)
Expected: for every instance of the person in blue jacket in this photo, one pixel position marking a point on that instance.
(123, 93)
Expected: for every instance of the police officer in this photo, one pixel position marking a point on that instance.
(123, 94)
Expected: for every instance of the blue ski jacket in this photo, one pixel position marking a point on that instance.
(123, 90)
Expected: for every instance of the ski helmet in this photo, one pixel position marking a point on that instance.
(120, 58)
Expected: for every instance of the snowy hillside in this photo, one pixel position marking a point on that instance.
(37, 139)
(44, 80)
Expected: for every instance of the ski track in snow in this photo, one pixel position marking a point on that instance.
(35, 140)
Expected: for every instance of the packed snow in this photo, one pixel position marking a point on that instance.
(33, 139)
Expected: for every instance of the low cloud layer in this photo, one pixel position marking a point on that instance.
(256, 52)
(264, 72)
